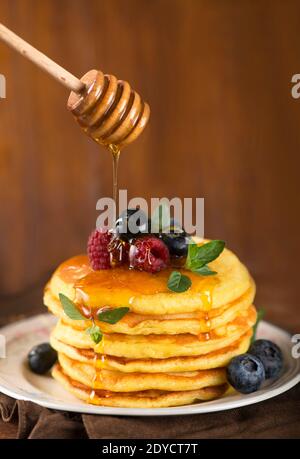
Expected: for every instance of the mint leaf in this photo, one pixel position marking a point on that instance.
(178, 282)
(70, 308)
(199, 256)
(192, 254)
(204, 271)
(260, 316)
(112, 316)
(95, 333)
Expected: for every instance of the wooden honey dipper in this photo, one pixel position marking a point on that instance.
(107, 109)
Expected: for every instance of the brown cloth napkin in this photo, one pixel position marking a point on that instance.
(275, 418)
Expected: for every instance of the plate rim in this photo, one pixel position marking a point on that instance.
(197, 408)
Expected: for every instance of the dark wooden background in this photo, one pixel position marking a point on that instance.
(217, 74)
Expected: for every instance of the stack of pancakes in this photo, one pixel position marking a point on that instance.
(169, 349)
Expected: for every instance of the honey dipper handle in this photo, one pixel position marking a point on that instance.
(41, 60)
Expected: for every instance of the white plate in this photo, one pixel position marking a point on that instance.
(17, 381)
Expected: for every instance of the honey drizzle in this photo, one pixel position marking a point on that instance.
(115, 151)
(91, 314)
(88, 312)
(207, 302)
(98, 378)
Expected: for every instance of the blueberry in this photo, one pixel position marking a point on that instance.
(176, 243)
(245, 373)
(175, 239)
(270, 355)
(41, 358)
(131, 224)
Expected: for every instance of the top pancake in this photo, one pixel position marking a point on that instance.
(146, 293)
(137, 324)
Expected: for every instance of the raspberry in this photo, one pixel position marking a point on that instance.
(97, 249)
(148, 254)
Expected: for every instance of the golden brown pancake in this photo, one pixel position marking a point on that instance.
(117, 381)
(216, 359)
(159, 346)
(148, 294)
(137, 324)
(141, 399)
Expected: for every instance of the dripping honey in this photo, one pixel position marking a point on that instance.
(115, 152)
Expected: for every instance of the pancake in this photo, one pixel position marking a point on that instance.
(137, 324)
(159, 346)
(215, 359)
(145, 399)
(117, 381)
(148, 294)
